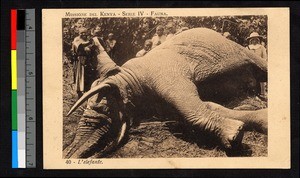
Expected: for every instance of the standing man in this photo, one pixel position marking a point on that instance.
(80, 50)
(254, 41)
(159, 37)
(111, 44)
(171, 31)
(146, 49)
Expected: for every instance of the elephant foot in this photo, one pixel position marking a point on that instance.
(232, 133)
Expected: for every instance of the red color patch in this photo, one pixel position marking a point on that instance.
(13, 29)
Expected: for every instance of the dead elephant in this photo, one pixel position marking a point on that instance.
(181, 75)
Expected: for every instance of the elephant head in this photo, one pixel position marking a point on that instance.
(102, 125)
(104, 121)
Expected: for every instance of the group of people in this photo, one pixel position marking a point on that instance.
(83, 61)
(156, 40)
(159, 37)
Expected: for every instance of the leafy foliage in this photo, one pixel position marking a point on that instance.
(131, 33)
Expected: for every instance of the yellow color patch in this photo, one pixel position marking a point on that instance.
(14, 70)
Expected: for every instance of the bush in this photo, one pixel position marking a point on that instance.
(131, 33)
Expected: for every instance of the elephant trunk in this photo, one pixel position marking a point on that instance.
(90, 135)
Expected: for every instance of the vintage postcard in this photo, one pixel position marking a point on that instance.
(157, 88)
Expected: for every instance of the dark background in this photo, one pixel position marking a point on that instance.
(5, 97)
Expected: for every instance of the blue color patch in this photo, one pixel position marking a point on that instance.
(14, 149)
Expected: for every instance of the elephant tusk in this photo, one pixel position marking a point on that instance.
(114, 143)
(122, 133)
(87, 95)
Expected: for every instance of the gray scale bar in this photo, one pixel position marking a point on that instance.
(30, 89)
(21, 98)
(21, 80)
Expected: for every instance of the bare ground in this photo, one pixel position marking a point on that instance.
(165, 138)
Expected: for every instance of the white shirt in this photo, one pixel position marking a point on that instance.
(157, 40)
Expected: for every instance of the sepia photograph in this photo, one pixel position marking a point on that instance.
(184, 86)
(162, 84)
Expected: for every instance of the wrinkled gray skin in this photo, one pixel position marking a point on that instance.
(178, 77)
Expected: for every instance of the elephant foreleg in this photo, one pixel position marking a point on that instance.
(183, 96)
(257, 120)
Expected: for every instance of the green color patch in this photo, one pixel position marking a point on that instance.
(14, 110)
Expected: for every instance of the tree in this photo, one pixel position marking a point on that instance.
(132, 32)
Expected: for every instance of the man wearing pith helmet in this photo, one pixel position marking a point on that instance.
(255, 45)
(254, 41)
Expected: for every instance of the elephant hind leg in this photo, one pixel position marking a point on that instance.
(183, 96)
(254, 120)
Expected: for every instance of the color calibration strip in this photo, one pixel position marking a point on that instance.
(14, 83)
(23, 118)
